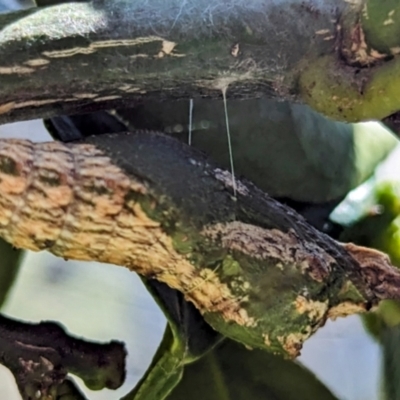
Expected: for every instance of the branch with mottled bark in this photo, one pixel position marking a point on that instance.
(254, 268)
(41, 356)
(123, 51)
(80, 57)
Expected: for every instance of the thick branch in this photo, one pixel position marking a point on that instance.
(381, 25)
(41, 355)
(254, 268)
(81, 57)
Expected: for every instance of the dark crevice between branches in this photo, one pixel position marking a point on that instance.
(393, 122)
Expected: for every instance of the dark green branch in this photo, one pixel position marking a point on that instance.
(85, 56)
(79, 57)
(381, 25)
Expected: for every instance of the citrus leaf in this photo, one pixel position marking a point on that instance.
(232, 372)
(390, 339)
(288, 150)
(187, 337)
(164, 372)
(11, 260)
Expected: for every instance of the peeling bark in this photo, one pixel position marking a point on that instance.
(254, 268)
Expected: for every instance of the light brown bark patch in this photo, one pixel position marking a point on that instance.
(345, 309)
(316, 310)
(381, 277)
(267, 340)
(358, 50)
(285, 248)
(293, 342)
(228, 180)
(74, 202)
(6, 107)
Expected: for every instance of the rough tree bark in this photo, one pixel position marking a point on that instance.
(244, 261)
(85, 56)
(255, 269)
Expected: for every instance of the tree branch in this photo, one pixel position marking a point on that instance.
(82, 57)
(381, 26)
(41, 355)
(254, 268)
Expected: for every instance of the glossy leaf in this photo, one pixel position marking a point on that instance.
(10, 262)
(390, 338)
(232, 372)
(288, 150)
(187, 337)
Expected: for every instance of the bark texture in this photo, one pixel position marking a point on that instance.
(254, 268)
(80, 57)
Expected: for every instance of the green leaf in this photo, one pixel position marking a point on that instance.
(10, 262)
(187, 337)
(387, 315)
(288, 150)
(232, 372)
(379, 228)
(164, 373)
(390, 339)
